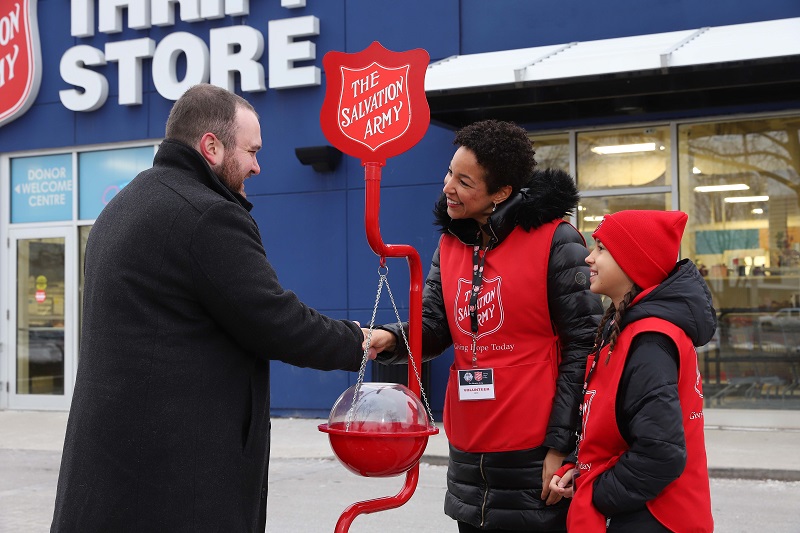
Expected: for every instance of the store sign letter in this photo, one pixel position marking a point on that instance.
(20, 58)
(231, 50)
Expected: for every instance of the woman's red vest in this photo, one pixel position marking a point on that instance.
(685, 504)
(515, 339)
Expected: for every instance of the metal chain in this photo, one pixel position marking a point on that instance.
(365, 358)
(382, 272)
(408, 349)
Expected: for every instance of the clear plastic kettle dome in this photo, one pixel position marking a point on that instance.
(378, 429)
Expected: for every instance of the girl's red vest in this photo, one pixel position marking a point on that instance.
(685, 504)
(515, 339)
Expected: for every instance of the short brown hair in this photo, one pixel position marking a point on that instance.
(202, 109)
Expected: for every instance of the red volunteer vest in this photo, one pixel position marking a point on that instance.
(515, 339)
(684, 505)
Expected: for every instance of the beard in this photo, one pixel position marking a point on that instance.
(228, 171)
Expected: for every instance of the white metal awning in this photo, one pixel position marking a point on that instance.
(709, 45)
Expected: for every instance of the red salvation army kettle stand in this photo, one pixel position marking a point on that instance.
(375, 108)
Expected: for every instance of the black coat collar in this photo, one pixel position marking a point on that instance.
(177, 154)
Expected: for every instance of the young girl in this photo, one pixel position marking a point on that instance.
(641, 459)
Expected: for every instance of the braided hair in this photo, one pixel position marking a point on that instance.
(616, 314)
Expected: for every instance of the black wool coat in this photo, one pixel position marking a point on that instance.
(169, 424)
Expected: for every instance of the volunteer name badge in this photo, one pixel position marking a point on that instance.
(375, 105)
(476, 384)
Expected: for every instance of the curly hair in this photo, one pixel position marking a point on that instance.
(503, 149)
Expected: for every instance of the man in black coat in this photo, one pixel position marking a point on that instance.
(169, 424)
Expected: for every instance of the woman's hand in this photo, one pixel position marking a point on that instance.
(552, 462)
(380, 341)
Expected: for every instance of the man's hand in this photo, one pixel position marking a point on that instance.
(372, 353)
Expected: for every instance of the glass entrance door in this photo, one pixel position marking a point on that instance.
(42, 362)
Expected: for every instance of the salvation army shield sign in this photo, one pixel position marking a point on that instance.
(381, 116)
(375, 105)
(20, 58)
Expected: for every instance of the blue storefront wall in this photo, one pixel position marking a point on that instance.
(443, 28)
(313, 223)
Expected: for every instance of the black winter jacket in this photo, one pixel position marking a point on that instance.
(648, 409)
(169, 424)
(511, 478)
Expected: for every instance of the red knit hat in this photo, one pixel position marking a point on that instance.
(645, 244)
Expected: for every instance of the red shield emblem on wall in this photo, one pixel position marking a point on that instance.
(375, 105)
(489, 309)
(20, 58)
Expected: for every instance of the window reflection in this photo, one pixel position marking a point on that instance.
(742, 192)
(552, 151)
(634, 157)
(740, 187)
(40, 316)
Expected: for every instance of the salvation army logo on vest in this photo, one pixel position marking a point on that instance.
(20, 58)
(489, 306)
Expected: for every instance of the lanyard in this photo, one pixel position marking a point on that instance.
(596, 353)
(477, 280)
(579, 428)
(594, 356)
(591, 371)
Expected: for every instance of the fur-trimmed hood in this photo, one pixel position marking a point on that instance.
(548, 195)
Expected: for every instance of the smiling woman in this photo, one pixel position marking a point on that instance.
(466, 189)
(495, 209)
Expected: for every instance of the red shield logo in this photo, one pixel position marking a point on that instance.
(489, 308)
(20, 58)
(375, 105)
(478, 375)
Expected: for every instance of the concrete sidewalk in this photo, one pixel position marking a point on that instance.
(746, 444)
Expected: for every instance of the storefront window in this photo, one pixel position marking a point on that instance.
(103, 174)
(552, 151)
(40, 316)
(624, 158)
(740, 187)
